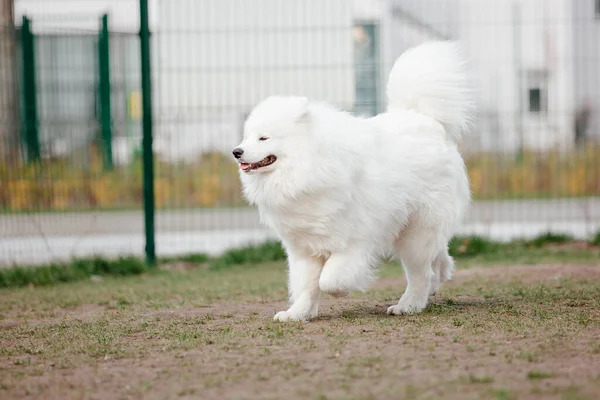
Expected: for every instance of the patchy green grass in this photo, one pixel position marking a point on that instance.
(503, 394)
(75, 270)
(266, 252)
(197, 258)
(549, 238)
(596, 239)
(540, 375)
(471, 249)
(494, 332)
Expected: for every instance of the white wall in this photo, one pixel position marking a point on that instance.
(218, 58)
(547, 35)
(508, 46)
(224, 53)
(214, 59)
(410, 22)
(488, 29)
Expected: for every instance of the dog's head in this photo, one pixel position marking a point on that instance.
(274, 135)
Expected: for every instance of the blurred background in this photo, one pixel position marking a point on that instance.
(71, 175)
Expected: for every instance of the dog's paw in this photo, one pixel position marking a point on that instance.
(331, 283)
(406, 306)
(285, 316)
(399, 310)
(435, 288)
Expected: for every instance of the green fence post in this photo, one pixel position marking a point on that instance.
(148, 162)
(104, 91)
(30, 115)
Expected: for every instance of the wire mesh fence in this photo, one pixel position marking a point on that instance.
(532, 159)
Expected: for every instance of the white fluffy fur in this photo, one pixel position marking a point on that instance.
(346, 191)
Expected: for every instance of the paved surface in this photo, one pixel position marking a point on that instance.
(37, 238)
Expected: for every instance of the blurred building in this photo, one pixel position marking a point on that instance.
(535, 63)
(212, 61)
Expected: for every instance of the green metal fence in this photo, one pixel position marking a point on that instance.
(147, 138)
(70, 87)
(104, 93)
(30, 115)
(76, 93)
(80, 108)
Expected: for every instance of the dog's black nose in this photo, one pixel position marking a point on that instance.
(237, 152)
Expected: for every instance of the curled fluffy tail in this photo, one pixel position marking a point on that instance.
(432, 79)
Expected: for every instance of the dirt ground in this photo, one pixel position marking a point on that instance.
(518, 332)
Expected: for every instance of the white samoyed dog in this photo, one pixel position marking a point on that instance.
(342, 192)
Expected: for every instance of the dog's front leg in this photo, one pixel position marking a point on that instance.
(303, 284)
(347, 271)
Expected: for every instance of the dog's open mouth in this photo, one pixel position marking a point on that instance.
(268, 160)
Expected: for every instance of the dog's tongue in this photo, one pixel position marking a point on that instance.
(245, 166)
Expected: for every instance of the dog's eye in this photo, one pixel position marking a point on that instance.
(263, 138)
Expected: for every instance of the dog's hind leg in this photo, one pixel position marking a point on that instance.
(417, 248)
(303, 285)
(443, 267)
(347, 271)
(435, 277)
(446, 266)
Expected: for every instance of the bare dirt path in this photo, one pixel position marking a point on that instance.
(530, 332)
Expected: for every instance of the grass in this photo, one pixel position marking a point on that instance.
(471, 249)
(59, 185)
(549, 238)
(210, 331)
(75, 270)
(503, 394)
(79, 269)
(480, 379)
(197, 258)
(266, 252)
(491, 334)
(80, 181)
(540, 375)
(596, 239)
